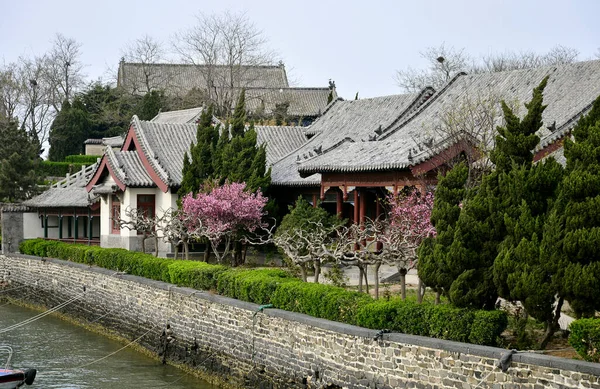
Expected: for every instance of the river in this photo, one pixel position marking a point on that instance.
(58, 350)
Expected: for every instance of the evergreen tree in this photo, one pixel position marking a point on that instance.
(481, 225)
(69, 130)
(238, 121)
(432, 264)
(572, 231)
(151, 105)
(199, 168)
(18, 162)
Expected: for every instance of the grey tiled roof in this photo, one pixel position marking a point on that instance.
(166, 143)
(570, 91)
(280, 140)
(69, 192)
(343, 122)
(303, 102)
(128, 168)
(178, 79)
(181, 116)
(114, 141)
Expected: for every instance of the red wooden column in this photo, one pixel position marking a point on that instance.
(339, 204)
(356, 206)
(314, 201)
(363, 206)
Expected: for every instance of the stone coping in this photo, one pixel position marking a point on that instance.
(347, 329)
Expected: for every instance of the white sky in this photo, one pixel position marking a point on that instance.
(359, 44)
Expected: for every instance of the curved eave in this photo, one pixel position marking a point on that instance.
(133, 139)
(98, 174)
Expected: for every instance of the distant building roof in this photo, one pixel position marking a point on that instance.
(570, 92)
(301, 102)
(114, 141)
(178, 79)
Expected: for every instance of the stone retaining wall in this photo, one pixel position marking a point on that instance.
(229, 340)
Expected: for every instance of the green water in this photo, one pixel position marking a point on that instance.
(58, 350)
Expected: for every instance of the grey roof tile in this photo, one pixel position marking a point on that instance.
(280, 140)
(178, 79)
(570, 91)
(345, 122)
(128, 168)
(303, 102)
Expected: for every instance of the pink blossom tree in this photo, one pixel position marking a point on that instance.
(224, 215)
(409, 222)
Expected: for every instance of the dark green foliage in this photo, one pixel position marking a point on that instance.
(482, 224)
(585, 338)
(278, 287)
(59, 169)
(330, 97)
(433, 263)
(238, 121)
(109, 110)
(437, 321)
(19, 162)
(82, 159)
(572, 232)
(199, 169)
(487, 327)
(152, 103)
(69, 130)
(257, 285)
(197, 275)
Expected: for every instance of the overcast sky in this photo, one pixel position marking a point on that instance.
(359, 44)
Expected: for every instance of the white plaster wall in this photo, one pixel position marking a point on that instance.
(32, 226)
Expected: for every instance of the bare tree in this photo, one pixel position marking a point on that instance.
(64, 70)
(223, 46)
(174, 230)
(147, 52)
(138, 220)
(443, 63)
(10, 91)
(446, 62)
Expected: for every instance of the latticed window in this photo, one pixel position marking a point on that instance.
(146, 204)
(115, 215)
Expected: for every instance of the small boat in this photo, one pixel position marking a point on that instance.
(12, 378)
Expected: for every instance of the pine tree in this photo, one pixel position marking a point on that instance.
(238, 121)
(572, 231)
(481, 226)
(152, 103)
(18, 162)
(69, 130)
(199, 168)
(432, 263)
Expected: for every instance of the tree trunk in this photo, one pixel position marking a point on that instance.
(403, 283)
(207, 253)
(438, 297)
(420, 291)
(144, 243)
(366, 279)
(303, 271)
(177, 252)
(186, 249)
(317, 265)
(552, 325)
(360, 278)
(376, 270)
(156, 246)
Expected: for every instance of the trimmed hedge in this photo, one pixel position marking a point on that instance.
(59, 169)
(83, 159)
(585, 338)
(278, 287)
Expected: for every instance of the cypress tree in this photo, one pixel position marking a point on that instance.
(68, 131)
(18, 162)
(432, 264)
(151, 105)
(572, 231)
(481, 225)
(199, 168)
(238, 122)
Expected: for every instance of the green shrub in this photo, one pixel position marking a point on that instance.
(193, 274)
(59, 169)
(585, 338)
(82, 159)
(436, 321)
(256, 285)
(278, 287)
(487, 327)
